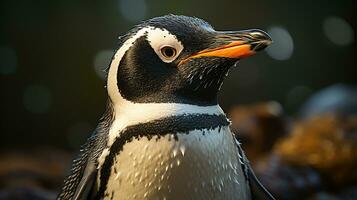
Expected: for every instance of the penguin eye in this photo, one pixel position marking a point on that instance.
(168, 52)
(166, 46)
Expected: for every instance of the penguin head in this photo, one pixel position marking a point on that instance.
(177, 59)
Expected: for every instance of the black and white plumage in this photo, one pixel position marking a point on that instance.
(164, 135)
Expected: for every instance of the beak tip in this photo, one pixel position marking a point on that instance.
(262, 40)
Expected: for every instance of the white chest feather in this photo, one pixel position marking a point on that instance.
(196, 165)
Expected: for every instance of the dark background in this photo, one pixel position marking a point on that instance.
(52, 53)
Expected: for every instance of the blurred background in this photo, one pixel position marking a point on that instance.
(293, 107)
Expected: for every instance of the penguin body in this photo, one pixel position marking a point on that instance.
(164, 135)
(198, 164)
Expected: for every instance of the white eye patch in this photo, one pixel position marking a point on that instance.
(165, 44)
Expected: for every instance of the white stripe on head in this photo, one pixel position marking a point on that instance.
(112, 86)
(157, 38)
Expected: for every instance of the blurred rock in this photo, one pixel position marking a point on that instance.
(346, 194)
(35, 174)
(339, 98)
(286, 181)
(326, 143)
(257, 126)
(28, 193)
(319, 157)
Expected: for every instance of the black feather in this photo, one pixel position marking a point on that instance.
(87, 157)
(258, 191)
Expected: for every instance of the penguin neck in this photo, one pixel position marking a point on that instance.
(127, 113)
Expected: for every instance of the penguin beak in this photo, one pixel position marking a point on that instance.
(235, 44)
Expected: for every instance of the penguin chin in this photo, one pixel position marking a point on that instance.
(208, 72)
(203, 78)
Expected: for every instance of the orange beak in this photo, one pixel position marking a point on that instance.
(235, 45)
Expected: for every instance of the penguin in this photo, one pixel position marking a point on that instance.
(163, 135)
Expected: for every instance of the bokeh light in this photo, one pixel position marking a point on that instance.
(133, 10)
(37, 99)
(8, 60)
(283, 46)
(338, 31)
(275, 108)
(101, 62)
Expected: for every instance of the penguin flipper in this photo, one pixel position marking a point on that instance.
(81, 179)
(258, 191)
(85, 186)
(80, 182)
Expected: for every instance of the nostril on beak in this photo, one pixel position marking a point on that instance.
(260, 35)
